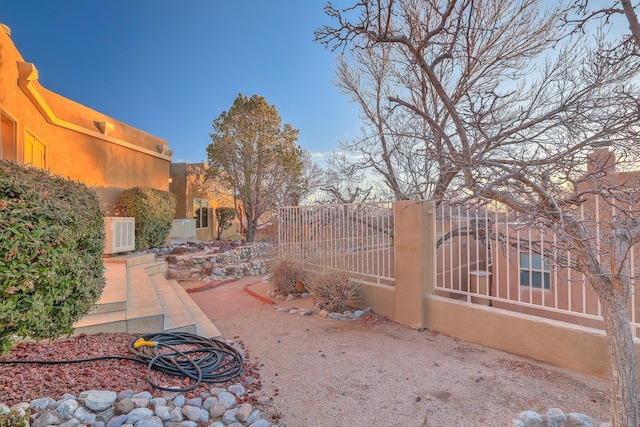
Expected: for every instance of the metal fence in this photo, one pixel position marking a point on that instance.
(351, 237)
(492, 256)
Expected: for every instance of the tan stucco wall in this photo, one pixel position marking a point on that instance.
(552, 341)
(185, 191)
(380, 298)
(231, 232)
(557, 343)
(178, 186)
(413, 254)
(111, 163)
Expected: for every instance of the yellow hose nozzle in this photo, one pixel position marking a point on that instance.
(140, 342)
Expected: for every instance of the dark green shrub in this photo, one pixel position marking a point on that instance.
(153, 210)
(286, 275)
(51, 244)
(225, 217)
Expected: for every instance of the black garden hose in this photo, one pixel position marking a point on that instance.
(179, 354)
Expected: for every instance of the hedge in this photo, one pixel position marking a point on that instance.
(51, 244)
(153, 210)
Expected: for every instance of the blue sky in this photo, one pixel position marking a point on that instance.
(169, 67)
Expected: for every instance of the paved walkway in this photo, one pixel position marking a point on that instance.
(229, 301)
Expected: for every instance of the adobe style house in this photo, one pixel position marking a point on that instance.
(517, 259)
(49, 131)
(196, 204)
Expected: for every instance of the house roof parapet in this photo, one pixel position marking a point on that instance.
(28, 82)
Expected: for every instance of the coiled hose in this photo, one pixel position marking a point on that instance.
(179, 354)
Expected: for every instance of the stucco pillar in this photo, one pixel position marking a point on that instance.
(414, 237)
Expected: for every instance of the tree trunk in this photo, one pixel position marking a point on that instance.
(622, 359)
(250, 234)
(251, 231)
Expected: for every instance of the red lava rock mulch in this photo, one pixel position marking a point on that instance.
(25, 382)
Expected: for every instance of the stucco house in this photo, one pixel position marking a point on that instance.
(47, 130)
(493, 252)
(196, 204)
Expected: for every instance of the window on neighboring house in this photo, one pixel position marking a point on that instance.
(34, 151)
(201, 212)
(533, 271)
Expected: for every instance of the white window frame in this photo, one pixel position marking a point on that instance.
(533, 271)
(201, 212)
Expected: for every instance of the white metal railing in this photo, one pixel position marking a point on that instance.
(491, 255)
(351, 237)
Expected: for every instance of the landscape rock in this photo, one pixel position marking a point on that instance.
(227, 399)
(45, 418)
(116, 421)
(138, 414)
(97, 400)
(217, 410)
(148, 422)
(237, 389)
(125, 406)
(67, 408)
(191, 412)
(41, 404)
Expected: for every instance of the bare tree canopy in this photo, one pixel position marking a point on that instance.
(345, 182)
(580, 12)
(256, 156)
(509, 105)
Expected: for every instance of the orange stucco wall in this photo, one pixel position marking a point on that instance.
(75, 145)
(184, 187)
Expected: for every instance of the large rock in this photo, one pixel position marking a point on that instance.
(579, 420)
(138, 414)
(97, 400)
(84, 415)
(41, 404)
(556, 418)
(244, 411)
(67, 408)
(227, 399)
(149, 422)
(116, 421)
(46, 418)
(191, 412)
(531, 419)
(217, 410)
(125, 406)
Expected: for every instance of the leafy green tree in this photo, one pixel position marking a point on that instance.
(257, 157)
(224, 217)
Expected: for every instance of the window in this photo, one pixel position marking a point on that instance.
(34, 151)
(201, 212)
(533, 271)
(7, 138)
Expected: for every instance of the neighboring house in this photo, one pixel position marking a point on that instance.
(46, 130)
(196, 204)
(518, 259)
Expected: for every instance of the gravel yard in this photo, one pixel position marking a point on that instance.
(312, 371)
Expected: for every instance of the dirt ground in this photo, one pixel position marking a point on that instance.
(321, 372)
